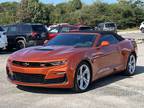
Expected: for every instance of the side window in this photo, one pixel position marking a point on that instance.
(25, 28)
(110, 38)
(119, 38)
(12, 29)
(73, 28)
(65, 29)
(38, 28)
(100, 25)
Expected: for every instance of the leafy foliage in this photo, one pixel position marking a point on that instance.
(76, 4)
(126, 13)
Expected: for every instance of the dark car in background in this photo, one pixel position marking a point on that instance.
(54, 30)
(26, 34)
(107, 26)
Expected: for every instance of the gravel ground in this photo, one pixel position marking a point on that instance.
(137, 35)
(115, 91)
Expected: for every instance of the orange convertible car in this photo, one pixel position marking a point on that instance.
(73, 60)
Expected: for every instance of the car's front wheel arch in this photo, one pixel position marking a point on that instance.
(75, 86)
(134, 53)
(90, 66)
(131, 62)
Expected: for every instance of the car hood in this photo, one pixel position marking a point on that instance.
(44, 53)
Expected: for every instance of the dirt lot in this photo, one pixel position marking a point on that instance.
(115, 91)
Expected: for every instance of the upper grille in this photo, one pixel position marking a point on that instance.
(31, 64)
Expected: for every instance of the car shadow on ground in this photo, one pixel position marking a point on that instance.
(96, 84)
(114, 78)
(6, 52)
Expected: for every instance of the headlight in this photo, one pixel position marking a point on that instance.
(57, 63)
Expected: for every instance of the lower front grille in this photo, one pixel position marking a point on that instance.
(56, 80)
(35, 78)
(30, 78)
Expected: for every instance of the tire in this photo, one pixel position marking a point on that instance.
(82, 77)
(131, 65)
(142, 30)
(20, 44)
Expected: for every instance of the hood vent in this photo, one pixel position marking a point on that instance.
(44, 49)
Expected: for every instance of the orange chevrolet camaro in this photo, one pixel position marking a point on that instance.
(73, 60)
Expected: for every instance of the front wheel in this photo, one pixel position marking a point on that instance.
(131, 65)
(82, 77)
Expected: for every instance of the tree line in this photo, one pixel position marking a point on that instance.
(126, 13)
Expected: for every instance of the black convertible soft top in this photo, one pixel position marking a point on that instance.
(103, 33)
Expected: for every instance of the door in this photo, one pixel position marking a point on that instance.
(108, 58)
(12, 33)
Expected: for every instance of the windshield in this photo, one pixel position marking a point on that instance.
(110, 25)
(39, 28)
(76, 40)
(54, 30)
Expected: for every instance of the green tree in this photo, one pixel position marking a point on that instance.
(76, 4)
(126, 13)
(8, 12)
(23, 15)
(29, 11)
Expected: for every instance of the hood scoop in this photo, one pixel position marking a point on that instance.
(47, 48)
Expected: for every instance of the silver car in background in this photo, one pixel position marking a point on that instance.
(107, 26)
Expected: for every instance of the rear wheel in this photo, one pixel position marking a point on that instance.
(131, 65)
(21, 44)
(82, 77)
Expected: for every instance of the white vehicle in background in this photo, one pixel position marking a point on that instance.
(3, 39)
(107, 26)
(142, 27)
(55, 25)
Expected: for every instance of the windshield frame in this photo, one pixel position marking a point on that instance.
(110, 25)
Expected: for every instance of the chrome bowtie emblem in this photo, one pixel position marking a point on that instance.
(26, 64)
(42, 65)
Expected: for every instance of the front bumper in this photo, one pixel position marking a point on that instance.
(52, 77)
